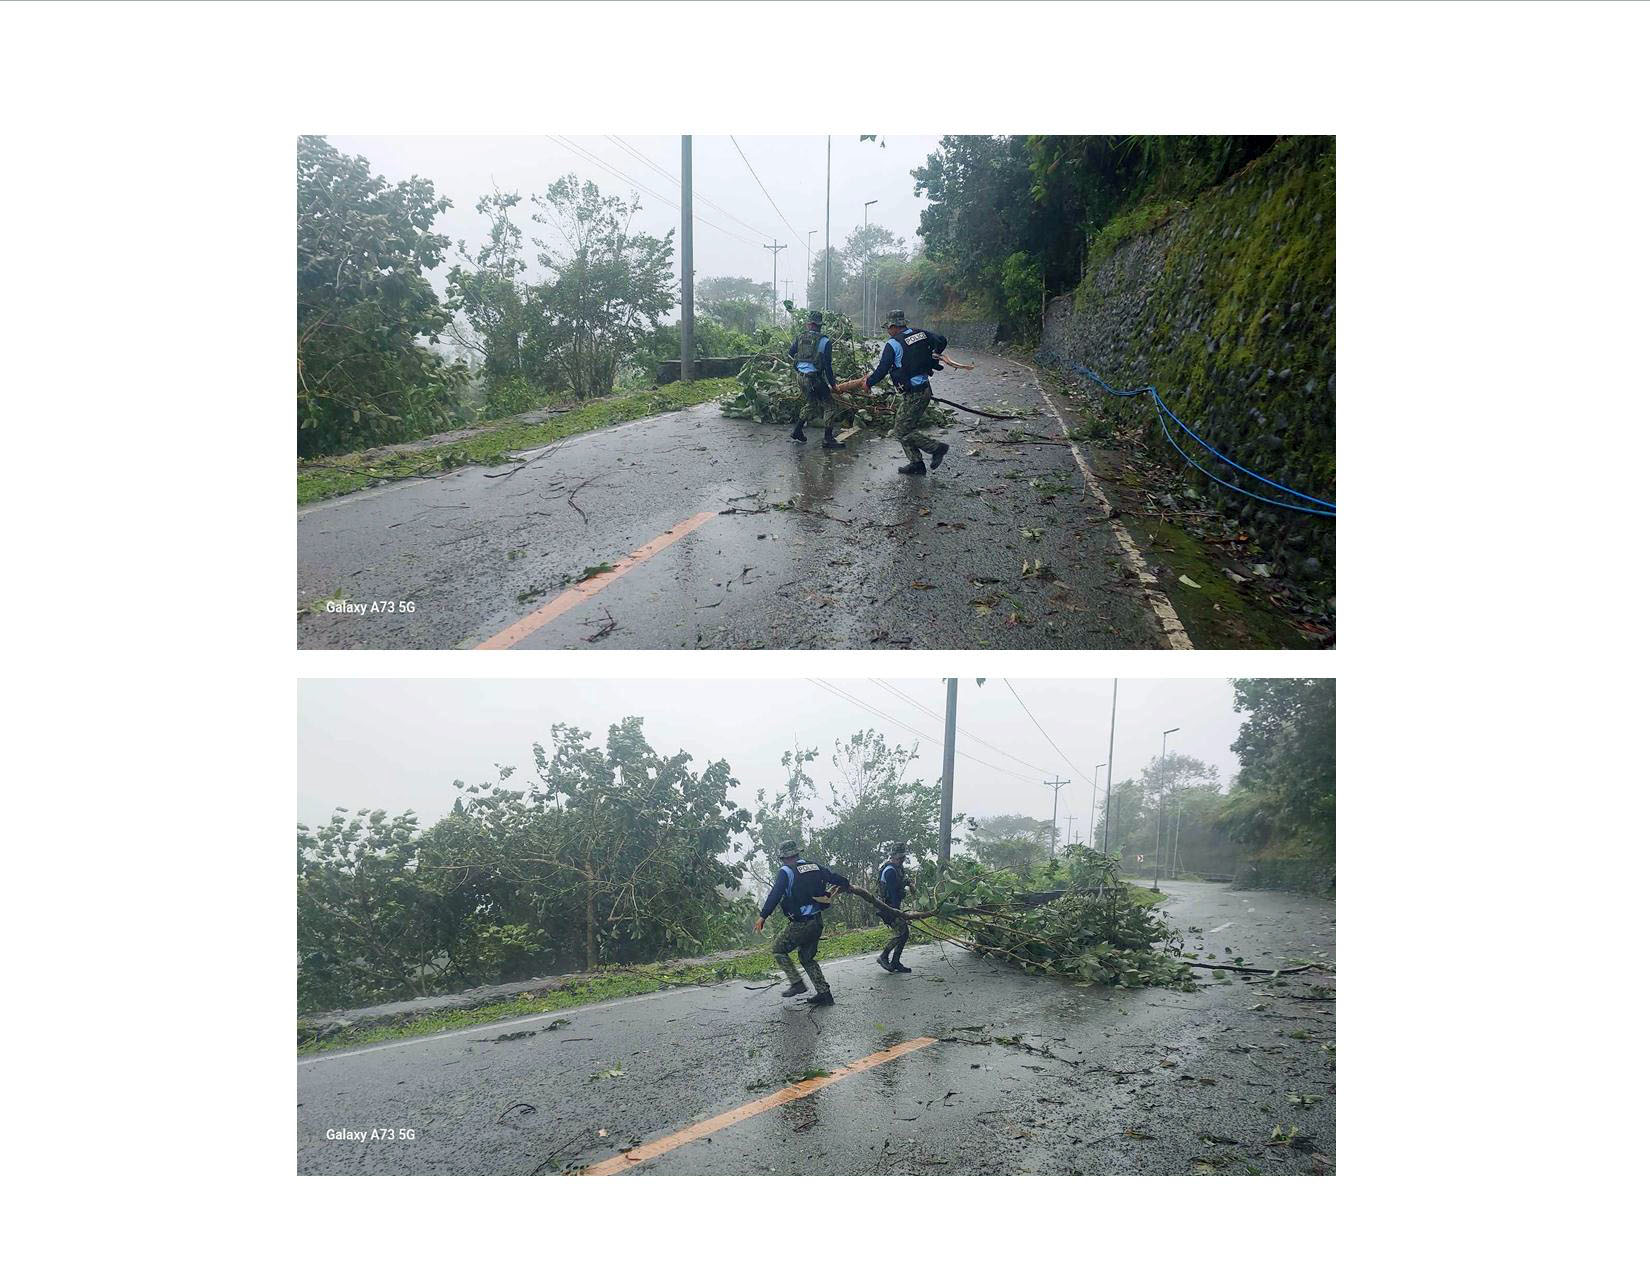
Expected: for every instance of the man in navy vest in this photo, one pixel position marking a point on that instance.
(910, 357)
(802, 891)
(892, 884)
(811, 356)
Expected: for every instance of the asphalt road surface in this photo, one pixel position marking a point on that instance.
(962, 1067)
(727, 534)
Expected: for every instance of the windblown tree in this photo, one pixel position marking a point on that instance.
(615, 854)
(1283, 799)
(488, 288)
(366, 372)
(608, 286)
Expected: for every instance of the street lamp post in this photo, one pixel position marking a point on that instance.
(1094, 801)
(1157, 856)
(864, 283)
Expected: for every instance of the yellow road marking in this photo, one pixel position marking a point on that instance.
(652, 1150)
(569, 598)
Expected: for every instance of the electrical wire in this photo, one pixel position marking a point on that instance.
(853, 699)
(762, 188)
(581, 153)
(698, 193)
(1019, 761)
(1076, 770)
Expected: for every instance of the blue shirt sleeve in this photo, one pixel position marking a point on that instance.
(884, 366)
(825, 362)
(780, 884)
(794, 344)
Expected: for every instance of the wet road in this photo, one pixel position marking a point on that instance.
(730, 535)
(1025, 1075)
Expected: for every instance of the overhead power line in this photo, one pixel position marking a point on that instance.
(1075, 768)
(699, 195)
(854, 699)
(1019, 761)
(581, 153)
(762, 188)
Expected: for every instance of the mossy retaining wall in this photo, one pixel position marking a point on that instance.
(1228, 307)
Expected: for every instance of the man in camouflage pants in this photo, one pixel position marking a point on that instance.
(909, 358)
(816, 378)
(800, 889)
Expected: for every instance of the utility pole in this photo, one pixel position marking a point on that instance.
(1070, 819)
(1105, 843)
(1054, 829)
(688, 368)
(827, 221)
(948, 770)
(864, 280)
(775, 248)
(1162, 774)
(808, 282)
(787, 284)
(1094, 800)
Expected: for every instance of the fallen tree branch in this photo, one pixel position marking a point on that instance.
(1250, 969)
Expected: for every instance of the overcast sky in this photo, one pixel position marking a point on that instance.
(398, 745)
(727, 239)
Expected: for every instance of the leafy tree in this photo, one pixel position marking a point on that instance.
(366, 314)
(488, 288)
(1283, 800)
(740, 304)
(608, 288)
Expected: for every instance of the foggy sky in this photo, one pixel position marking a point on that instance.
(399, 744)
(792, 168)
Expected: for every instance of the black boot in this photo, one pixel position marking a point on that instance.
(822, 998)
(795, 989)
(899, 968)
(937, 455)
(830, 441)
(915, 467)
(882, 960)
(799, 435)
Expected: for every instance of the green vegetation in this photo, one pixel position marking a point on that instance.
(1215, 613)
(492, 445)
(366, 314)
(1283, 800)
(1011, 217)
(603, 985)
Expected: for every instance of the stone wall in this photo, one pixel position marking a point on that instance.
(1228, 307)
(965, 334)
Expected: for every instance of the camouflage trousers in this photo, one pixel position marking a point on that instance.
(802, 937)
(895, 946)
(908, 411)
(830, 411)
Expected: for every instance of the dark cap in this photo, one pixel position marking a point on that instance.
(895, 318)
(898, 851)
(787, 850)
(815, 318)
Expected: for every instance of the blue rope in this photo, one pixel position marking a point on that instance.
(1328, 510)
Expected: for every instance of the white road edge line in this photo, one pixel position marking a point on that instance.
(1174, 632)
(532, 1018)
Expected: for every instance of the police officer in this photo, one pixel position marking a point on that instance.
(811, 356)
(892, 884)
(909, 358)
(800, 890)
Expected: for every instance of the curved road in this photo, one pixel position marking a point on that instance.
(731, 535)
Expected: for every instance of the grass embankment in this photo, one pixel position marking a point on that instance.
(492, 445)
(603, 985)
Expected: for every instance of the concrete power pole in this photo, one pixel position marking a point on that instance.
(687, 258)
(1054, 831)
(948, 770)
(827, 222)
(1105, 836)
(776, 248)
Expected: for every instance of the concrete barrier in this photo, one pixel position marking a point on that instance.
(704, 369)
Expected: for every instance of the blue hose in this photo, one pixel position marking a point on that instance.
(1328, 510)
